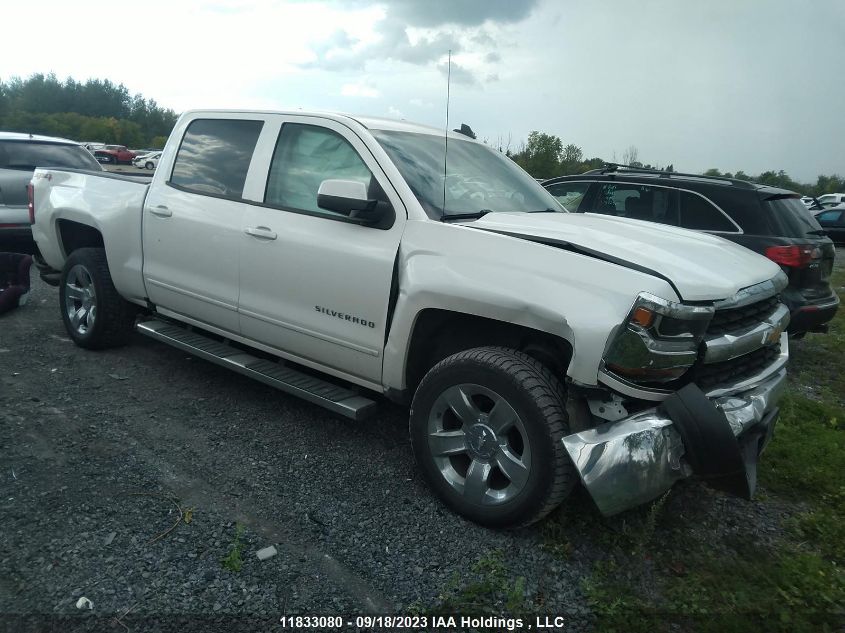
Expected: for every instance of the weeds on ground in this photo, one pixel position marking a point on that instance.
(797, 586)
(233, 561)
(492, 588)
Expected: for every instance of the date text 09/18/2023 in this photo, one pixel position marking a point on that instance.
(422, 622)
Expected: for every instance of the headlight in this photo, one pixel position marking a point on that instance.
(659, 340)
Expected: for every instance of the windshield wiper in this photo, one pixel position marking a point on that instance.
(549, 210)
(817, 232)
(465, 216)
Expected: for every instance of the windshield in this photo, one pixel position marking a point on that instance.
(478, 178)
(29, 155)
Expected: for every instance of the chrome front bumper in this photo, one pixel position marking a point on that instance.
(634, 460)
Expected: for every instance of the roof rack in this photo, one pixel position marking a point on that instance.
(613, 168)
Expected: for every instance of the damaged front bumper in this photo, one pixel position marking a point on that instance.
(634, 460)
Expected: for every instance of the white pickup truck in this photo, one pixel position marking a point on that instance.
(345, 260)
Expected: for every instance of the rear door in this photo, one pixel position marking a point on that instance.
(193, 220)
(313, 283)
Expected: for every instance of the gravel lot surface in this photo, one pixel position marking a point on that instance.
(97, 443)
(100, 452)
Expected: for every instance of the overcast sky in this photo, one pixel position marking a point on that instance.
(734, 84)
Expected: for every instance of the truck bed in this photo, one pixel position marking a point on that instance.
(94, 207)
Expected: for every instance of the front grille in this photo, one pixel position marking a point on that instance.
(737, 319)
(735, 370)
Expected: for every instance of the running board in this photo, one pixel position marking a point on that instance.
(328, 395)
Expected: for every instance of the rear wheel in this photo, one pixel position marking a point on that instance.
(94, 314)
(486, 429)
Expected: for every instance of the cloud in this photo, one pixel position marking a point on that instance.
(340, 52)
(396, 112)
(359, 89)
(421, 33)
(433, 13)
(459, 74)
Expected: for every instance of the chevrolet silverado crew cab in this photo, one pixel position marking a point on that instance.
(336, 259)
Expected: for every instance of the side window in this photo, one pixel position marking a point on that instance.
(304, 157)
(214, 156)
(697, 213)
(638, 202)
(569, 194)
(829, 216)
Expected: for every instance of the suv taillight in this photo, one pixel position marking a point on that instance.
(30, 205)
(795, 256)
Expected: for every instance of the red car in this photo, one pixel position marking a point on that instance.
(114, 154)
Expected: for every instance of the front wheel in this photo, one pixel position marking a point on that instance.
(94, 314)
(486, 428)
(149, 165)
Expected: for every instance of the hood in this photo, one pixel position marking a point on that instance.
(702, 267)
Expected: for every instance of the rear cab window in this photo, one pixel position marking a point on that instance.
(214, 157)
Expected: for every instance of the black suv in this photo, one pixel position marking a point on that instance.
(773, 222)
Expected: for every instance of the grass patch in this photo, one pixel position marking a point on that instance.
(796, 586)
(491, 588)
(233, 560)
(755, 590)
(806, 459)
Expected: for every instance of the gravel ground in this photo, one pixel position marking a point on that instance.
(97, 443)
(101, 451)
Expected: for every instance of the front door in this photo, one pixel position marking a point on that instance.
(313, 283)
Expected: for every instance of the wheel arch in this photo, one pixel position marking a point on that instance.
(74, 235)
(438, 333)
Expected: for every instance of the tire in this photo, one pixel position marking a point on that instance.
(94, 314)
(149, 165)
(514, 459)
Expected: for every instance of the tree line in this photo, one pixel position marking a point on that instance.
(97, 110)
(545, 156)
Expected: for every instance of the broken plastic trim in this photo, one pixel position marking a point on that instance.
(634, 460)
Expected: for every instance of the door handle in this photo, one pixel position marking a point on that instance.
(261, 232)
(161, 211)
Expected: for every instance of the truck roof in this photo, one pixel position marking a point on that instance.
(369, 122)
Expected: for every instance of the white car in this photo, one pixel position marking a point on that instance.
(147, 161)
(322, 254)
(831, 199)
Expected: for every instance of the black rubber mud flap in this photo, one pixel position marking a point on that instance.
(712, 450)
(711, 447)
(751, 443)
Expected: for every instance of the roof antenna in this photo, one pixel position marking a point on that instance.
(446, 148)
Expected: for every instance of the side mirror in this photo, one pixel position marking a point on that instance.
(349, 197)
